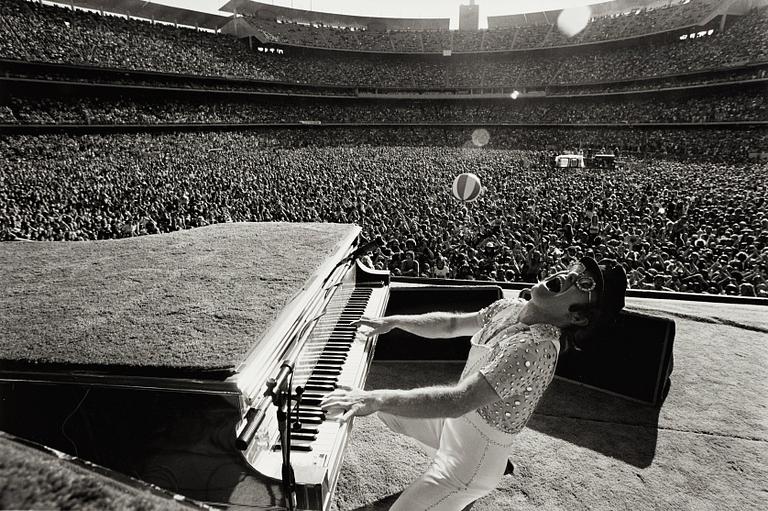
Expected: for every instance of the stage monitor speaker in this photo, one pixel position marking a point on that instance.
(399, 345)
(632, 359)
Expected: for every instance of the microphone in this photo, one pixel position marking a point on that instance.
(378, 241)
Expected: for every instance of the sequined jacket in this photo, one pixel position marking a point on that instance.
(516, 359)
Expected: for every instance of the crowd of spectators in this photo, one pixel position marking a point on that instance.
(637, 22)
(735, 76)
(163, 80)
(745, 105)
(632, 23)
(36, 32)
(751, 73)
(675, 225)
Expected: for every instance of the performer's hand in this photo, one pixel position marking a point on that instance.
(373, 326)
(349, 402)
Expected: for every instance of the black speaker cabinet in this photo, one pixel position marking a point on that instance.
(632, 359)
(399, 345)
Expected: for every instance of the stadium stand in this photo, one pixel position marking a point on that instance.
(34, 32)
(539, 32)
(746, 105)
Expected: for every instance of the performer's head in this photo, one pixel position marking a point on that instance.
(583, 299)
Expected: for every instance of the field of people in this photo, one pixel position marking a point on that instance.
(675, 225)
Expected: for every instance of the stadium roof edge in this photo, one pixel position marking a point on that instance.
(269, 11)
(153, 11)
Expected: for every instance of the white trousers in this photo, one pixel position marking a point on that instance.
(469, 460)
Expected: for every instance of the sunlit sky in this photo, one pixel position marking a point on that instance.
(399, 8)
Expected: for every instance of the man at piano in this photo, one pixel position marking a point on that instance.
(470, 426)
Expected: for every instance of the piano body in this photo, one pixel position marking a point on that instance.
(189, 416)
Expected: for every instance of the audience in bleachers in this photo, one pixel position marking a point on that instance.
(540, 33)
(684, 226)
(740, 106)
(736, 75)
(35, 32)
(637, 22)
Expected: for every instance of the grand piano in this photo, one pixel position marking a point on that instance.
(155, 356)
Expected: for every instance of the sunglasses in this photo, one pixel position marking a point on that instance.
(583, 282)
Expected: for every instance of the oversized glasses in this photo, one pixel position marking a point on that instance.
(583, 282)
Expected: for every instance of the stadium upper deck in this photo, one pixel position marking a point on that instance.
(34, 32)
(317, 30)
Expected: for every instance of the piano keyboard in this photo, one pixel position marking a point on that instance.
(331, 355)
(323, 364)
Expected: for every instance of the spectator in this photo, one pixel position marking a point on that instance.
(441, 269)
(409, 267)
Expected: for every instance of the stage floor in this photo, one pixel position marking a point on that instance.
(705, 448)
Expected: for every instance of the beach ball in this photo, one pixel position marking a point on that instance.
(467, 187)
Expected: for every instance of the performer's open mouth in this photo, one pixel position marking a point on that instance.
(553, 284)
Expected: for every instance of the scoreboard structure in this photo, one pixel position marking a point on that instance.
(469, 16)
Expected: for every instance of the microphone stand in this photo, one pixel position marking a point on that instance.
(361, 250)
(281, 392)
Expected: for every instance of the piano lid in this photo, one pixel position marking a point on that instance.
(190, 304)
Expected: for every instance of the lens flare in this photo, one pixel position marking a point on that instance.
(480, 137)
(573, 20)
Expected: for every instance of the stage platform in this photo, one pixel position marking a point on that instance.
(706, 448)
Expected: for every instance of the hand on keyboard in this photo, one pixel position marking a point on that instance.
(372, 326)
(349, 402)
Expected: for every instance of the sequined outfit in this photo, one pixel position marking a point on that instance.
(471, 451)
(517, 360)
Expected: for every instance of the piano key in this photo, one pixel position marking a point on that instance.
(295, 435)
(302, 429)
(313, 348)
(325, 388)
(330, 357)
(325, 381)
(308, 408)
(308, 411)
(311, 420)
(327, 349)
(302, 446)
(313, 395)
(329, 373)
(324, 364)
